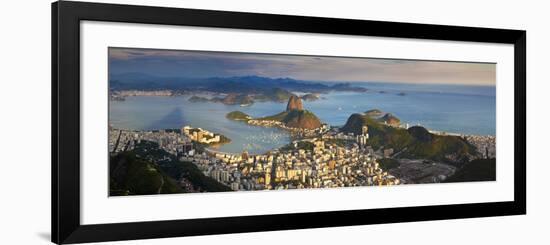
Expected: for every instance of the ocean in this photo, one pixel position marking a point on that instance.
(450, 108)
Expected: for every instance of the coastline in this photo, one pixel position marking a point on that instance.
(485, 144)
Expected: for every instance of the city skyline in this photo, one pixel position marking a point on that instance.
(194, 64)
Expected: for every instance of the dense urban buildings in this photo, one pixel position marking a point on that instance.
(333, 160)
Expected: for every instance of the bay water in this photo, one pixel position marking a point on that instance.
(450, 108)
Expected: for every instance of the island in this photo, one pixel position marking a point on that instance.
(235, 99)
(246, 99)
(274, 94)
(238, 116)
(197, 99)
(310, 97)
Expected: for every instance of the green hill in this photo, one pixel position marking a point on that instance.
(476, 170)
(420, 133)
(389, 119)
(416, 142)
(374, 113)
(238, 116)
(296, 119)
(274, 94)
(302, 119)
(130, 175)
(295, 116)
(197, 99)
(177, 169)
(277, 117)
(235, 99)
(147, 168)
(189, 171)
(382, 117)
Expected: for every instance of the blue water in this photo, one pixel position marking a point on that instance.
(450, 108)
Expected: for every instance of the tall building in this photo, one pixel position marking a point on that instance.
(331, 164)
(362, 139)
(185, 130)
(200, 135)
(267, 178)
(319, 145)
(365, 130)
(244, 155)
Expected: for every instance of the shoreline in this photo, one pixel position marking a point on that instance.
(487, 142)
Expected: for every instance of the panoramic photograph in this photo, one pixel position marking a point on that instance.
(185, 121)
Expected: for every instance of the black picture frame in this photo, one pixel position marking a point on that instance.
(66, 18)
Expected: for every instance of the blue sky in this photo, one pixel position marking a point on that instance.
(176, 63)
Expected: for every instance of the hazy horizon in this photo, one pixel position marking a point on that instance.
(203, 64)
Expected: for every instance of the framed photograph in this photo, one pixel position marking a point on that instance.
(176, 122)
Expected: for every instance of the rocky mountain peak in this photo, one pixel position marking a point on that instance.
(294, 103)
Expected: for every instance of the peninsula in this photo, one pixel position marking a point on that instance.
(294, 118)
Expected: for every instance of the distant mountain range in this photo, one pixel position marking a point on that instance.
(244, 99)
(241, 84)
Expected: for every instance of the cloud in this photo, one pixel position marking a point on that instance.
(317, 68)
